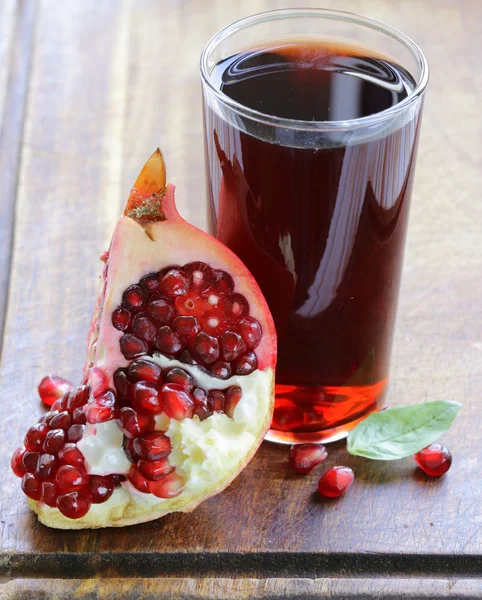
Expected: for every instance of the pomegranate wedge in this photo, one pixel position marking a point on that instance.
(178, 386)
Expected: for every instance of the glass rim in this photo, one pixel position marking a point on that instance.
(285, 13)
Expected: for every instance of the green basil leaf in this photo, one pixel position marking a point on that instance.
(402, 430)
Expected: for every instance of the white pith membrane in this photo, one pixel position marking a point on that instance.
(207, 453)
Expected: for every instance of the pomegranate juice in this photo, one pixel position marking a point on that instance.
(318, 217)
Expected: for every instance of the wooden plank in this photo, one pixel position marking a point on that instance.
(16, 32)
(240, 589)
(89, 125)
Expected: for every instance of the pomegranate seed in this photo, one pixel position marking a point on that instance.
(71, 477)
(29, 461)
(134, 298)
(49, 493)
(75, 433)
(201, 273)
(190, 304)
(153, 446)
(128, 445)
(175, 283)
(117, 479)
(167, 341)
(45, 466)
(78, 397)
(150, 283)
(246, 364)
(50, 415)
(60, 404)
(146, 397)
(35, 437)
(218, 400)
(233, 396)
(154, 469)
(69, 454)
(31, 486)
(181, 377)
(52, 387)
(98, 381)
(78, 416)
(214, 322)
(250, 331)
(186, 357)
(161, 310)
(223, 283)
(121, 383)
(16, 462)
(237, 307)
(137, 480)
(144, 370)
(304, 457)
(335, 481)
(221, 370)
(61, 421)
(132, 346)
(74, 505)
(100, 488)
(434, 460)
(206, 348)
(203, 404)
(143, 328)
(169, 486)
(121, 318)
(133, 424)
(54, 440)
(176, 402)
(232, 346)
(186, 327)
(101, 409)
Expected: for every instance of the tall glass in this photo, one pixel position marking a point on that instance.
(318, 212)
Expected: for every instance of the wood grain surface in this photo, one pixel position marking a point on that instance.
(87, 90)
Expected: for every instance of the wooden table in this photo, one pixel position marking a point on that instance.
(87, 89)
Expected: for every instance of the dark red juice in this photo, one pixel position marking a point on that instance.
(318, 217)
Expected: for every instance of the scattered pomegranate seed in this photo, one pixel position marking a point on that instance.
(61, 421)
(132, 346)
(233, 396)
(69, 454)
(246, 364)
(176, 401)
(102, 409)
(161, 310)
(152, 446)
(201, 273)
(70, 478)
(203, 403)
(121, 318)
(74, 505)
(237, 307)
(304, 457)
(16, 462)
(167, 341)
(54, 440)
(232, 346)
(138, 480)
(150, 283)
(186, 327)
(75, 432)
(31, 487)
(52, 387)
(100, 488)
(132, 423)
(221, 370)
(169, 486)
(218, 400)
(144, 370)
(146, 397)
(35, 437)
(175, 283)
(250, 331)
(49, 493)
(143, 328)
(181, 377)
(335, 481)
(154, 469)
(434, 460)
(134, 298)
(206, 348)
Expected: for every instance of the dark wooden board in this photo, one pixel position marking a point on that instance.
(107, 82)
